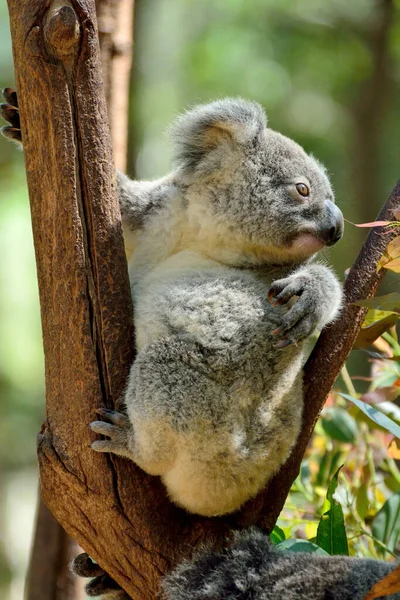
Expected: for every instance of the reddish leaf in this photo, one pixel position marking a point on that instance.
(372, 224)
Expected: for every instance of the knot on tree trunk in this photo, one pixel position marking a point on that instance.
(62, 30)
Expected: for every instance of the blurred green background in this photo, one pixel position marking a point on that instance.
(327, 73)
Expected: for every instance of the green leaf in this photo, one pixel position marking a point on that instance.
(300, 546)
(331, 533)
(390, 302)
(362, 502)
(386, 524)
(277, 535)
(339, 425)
(375, 415)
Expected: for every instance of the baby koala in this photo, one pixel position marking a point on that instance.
(225, 294)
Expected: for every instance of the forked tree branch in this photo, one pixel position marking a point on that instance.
(117, 513)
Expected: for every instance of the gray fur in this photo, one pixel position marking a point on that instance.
(225, 295)
(213, 405)
(253, 568)
(214, 398)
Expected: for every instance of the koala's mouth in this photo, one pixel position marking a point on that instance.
(305, 244)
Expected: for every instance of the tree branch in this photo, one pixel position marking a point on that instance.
(117, 513)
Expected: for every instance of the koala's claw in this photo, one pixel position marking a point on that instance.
(10, 96)
(281, 294)
(10, 113)
(283, 344)
(114, 416)
(102, 584)
(301, 319)
(118, 428)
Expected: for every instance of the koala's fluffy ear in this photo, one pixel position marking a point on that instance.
(227, 122)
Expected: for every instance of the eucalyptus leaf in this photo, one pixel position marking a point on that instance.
(375, 415)
(369, 333)
(331, 533)
(339, 425)
(389, 302)
(386, 524)
(301, 546)
(277, 535)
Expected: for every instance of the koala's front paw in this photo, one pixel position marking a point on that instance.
(304, 317)
(118, 428)
(10, 113)
(102, 584)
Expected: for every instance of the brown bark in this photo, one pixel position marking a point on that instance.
(49, 577)
(115, 26)
(118, 514)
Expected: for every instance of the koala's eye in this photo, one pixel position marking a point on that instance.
(302, 189)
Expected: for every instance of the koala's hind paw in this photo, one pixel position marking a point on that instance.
(118, 428)
(102, 584)
(10, 113)
(303, 317)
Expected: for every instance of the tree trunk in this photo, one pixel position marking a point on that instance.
(115, 26)
(49, 576)
(117, 513)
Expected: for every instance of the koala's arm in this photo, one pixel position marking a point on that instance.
(319, 301)
(140, 199)
(253, 568)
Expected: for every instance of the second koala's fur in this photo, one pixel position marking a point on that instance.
(214, 398)
(253, 568)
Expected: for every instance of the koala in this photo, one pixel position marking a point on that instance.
(252, 567)
(225, 293)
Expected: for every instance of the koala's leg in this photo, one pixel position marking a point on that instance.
(102, 585)
(319, 296)
(170, 389)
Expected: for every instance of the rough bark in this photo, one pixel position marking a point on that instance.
(49, 577)
(115, 26)
(117, 513)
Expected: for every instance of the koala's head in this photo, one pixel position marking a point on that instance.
(250, 188)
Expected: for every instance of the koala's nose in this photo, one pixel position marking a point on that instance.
(334, 225)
